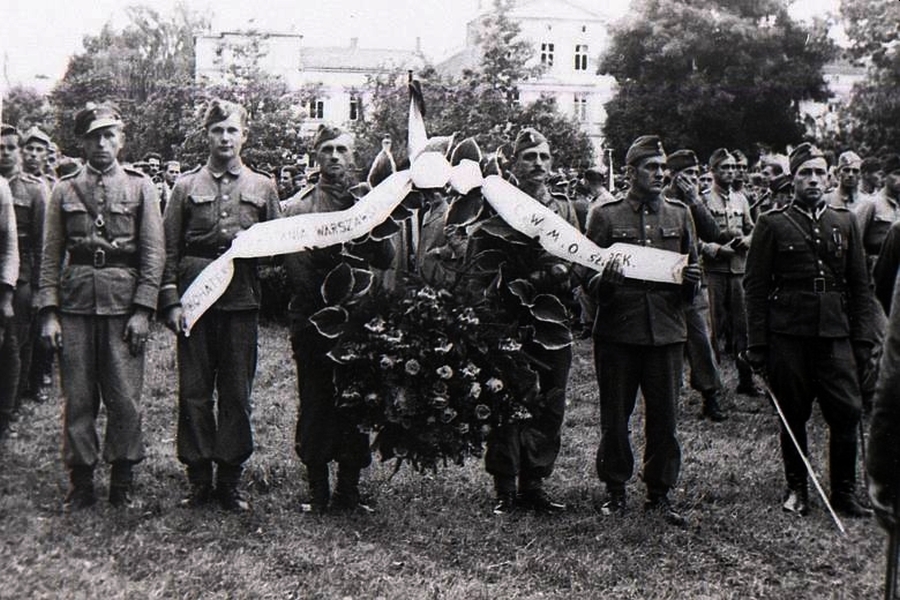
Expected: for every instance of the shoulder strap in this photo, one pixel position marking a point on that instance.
(808, 239)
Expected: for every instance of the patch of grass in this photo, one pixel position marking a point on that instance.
(433, 536)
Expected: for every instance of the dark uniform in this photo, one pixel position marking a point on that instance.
(639, 337)
(102, 262)
(9, 272)
(808, 299)
(206, 211)
(30, 197)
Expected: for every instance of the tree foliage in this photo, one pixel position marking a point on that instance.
(481, 103)
(873, 118)
(705, 74)
(24, 107)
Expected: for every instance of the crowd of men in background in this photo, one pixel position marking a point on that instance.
(770, 242)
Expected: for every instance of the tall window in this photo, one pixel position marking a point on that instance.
(581, 107)
(355, 108)
(316, 109)
(581, 57)
(547, 54)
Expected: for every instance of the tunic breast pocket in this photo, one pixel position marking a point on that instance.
(671, 238)
(628, 235)
(201, 212)
(122, 217)
(76, 220)
(251, 210)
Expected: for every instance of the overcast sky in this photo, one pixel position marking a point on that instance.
(38, 36)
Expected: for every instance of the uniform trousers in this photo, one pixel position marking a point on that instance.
(96, 365)
(705, 377)
(218, 358)
(623, 369)
(800, 371)
(321, 436)
(726, 296)
(528, 449)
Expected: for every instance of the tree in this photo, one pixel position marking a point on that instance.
(481, 103)
(714, 73)
(24, 107)
(128, 67)
(873, 119)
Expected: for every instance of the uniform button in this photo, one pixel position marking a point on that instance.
(821, 272)
(816, 230)
(224, 214)
(224, 196)
(649, 242)
(224, 231)
(647, 228)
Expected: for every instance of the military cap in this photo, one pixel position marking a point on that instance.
(803, 153)
(151, 155)
(890, 163)
(681, 160)
(849, 159)
(94, 116)
(739, 155)
(643, 147)
(7, 129)
(326, 133)
(780, 183)
(528, 138)
(219, 110)
(719, 155)
(36, 134)
(870, 164)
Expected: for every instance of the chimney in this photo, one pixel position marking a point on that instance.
(354, 41)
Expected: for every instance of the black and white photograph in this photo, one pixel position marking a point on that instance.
(492, 299)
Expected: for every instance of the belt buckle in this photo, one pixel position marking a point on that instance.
(99, 258)
(819, 285)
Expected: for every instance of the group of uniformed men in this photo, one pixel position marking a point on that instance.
(782, 279)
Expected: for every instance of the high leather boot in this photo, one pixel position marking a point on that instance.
(712, 408)
(121, 484)
(230, 497)
(319, 489)
(81, 489)
(346, 493)
(200, 482)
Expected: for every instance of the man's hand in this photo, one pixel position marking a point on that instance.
(740, 244)
(691, 274)
(136, 331)
(726, 251)
(755, 358)
(687, 187)
(883, 504)
(174, 319)
(6, 307)
(611, 275)
(51, 331)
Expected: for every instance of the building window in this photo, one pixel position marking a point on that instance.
(581, 107)
(581, 57)
(547, 54)
(316, 109)
(355, 108)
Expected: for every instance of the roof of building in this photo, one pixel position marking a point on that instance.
(353, 58)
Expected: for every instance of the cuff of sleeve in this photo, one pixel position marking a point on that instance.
(168, 297)
(47, 298)
(146, 295)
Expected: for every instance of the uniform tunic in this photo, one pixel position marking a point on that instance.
(639, 336)
(103, 257)
(321, 436)
(205, 212)
(808, 297)
(9, 273)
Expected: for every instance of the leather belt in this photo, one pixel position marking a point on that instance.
(100, 259)
(819, 285)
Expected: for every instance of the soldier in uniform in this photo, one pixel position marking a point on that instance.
(320, 436)
(640, 331)
(847, 193)
(9, 270)
(723, 263)
(527, 450)
(809, 309)
(100, 271)
(877, 216)
(30, 196)
(871, 177)
(209, 207)
(684, 169)
(35, 150)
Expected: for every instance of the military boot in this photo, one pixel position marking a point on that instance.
(319, 489)
(200, 485)
(81, 489)
(231, 498)
(712, 408)
(346, 493)
(121, 485)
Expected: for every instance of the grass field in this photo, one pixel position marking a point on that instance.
(433, 536)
